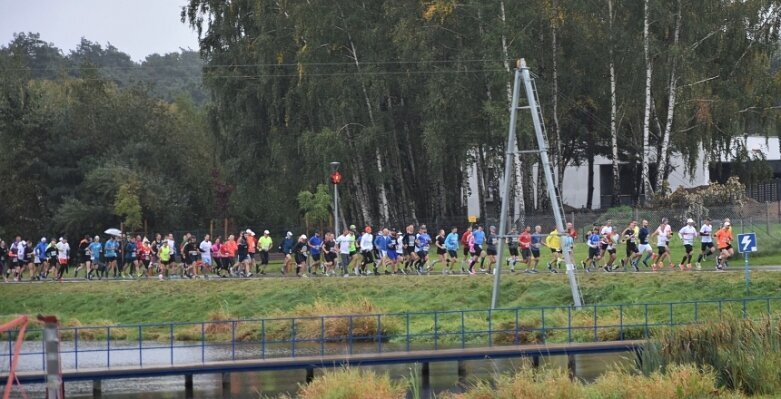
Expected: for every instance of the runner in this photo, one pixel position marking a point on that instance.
(629, 238)
(535, 248)
(491, 243)
(145, 259)
(439, 242)
(367, 249)
(63, 256)
(95, 250)
(3, 260)
(205, 248)
(229, 251)
(165, 260)
(573, 234)
(706, 242)
(299, 252)
(286, 247)
(687, 234)
(84, 261)
(644, 247)
(409, 247)
(315, 245)
(724, 242)
(391, 246)
(525, 242)
(476, 241)
(606, 233)
(110, 252)
(265, 244)
(465, 243)
(39, 260)
(242, 266)
(131, 262)
(553, 241)
(329, 254)
(451, 246)
(422, 245)
(593, 242)
(663, 234)
(344, 242)
(252, 244)
(512, 246)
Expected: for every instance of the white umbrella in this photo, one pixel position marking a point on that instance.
(113, 232)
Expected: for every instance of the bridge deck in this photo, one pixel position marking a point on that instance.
(304, 362)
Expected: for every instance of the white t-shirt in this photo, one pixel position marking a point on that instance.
(706, 233)
(206, 249)
(63, 249)
(344, 243)
(606, 230)
(400, 245)
(687, 234)
(663, 235)
(367, 242)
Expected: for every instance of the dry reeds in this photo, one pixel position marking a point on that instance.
(353, 384)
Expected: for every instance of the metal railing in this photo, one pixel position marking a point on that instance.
(161, 344)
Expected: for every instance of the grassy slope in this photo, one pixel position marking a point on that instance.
(153, 301)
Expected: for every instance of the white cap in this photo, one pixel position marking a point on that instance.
(303, 237)
(97, 237)
(265, 232)
(250, 232)
(726, 224)
(61, 239)
(689, 220)
(289, 234)
(43, 239)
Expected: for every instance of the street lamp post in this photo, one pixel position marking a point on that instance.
(336, 178)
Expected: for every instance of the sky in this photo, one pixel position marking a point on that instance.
(136, 27)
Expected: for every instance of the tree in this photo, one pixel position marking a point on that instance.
(127, 205)
(315, 206)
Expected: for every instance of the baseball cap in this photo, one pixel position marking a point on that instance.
(689, 220)
(250, 232)
(726, 224)
(289, 234)
(43, 239)
(265, 232)
(352, 227)
(303, 237)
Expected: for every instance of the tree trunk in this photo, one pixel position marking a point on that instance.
(613, 113)
(558, 168)
(520, 209)
(481, 189)
(661, 174)
(360, 189)
(645, 180)
(383, 196)
(590, 182)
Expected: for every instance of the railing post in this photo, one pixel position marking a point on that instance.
(671, 314)
(515, 337)
(542, 316)
(745, 311)
(379, 333)
(490, 329)
(621, 322)
(569, 324)
(595, 324)
(768, 308)
(108, 347)
(350, 334)
(263, 338)
(696, 312)
(171, 341)
(203, 343)
(407, 330)
(233, 339)
(463, 331)
(140, 348)
(76, 347)
(293, 337)
(720, 312)
(436, 331)
(322, 336)
(646, 321)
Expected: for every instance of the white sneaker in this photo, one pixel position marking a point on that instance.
(161, 277)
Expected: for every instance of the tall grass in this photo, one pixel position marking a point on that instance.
(352, 383)
(745, 354)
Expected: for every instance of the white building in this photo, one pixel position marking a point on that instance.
(575, 186)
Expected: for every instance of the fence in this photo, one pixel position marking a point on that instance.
(144, 345)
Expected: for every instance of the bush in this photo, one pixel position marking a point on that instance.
(352, 384)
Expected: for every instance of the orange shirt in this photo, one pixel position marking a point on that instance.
(230, 247)
(251, 243)
(723, 238)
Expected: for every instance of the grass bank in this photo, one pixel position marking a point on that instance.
(187, 301)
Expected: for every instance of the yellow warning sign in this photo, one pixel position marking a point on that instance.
(472, 219)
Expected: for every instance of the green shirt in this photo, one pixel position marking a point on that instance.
(265, 243)
(165, 253)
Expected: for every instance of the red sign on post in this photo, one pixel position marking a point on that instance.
(336, 177)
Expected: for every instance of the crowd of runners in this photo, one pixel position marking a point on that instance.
(412, 250)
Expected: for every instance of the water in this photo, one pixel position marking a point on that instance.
(443, 375)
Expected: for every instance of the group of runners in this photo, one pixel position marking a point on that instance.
(387, 251)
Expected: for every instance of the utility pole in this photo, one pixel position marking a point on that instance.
(522, 74)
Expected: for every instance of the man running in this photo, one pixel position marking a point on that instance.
(63, 256)
(706, 242)
(367, 252)
(724, 243)
(205, 248)
(476, 251)
(593, 242)
(95, 248)
(525, 242)
(451, 246)
(606, 232)
(286, 247)
(315, 244)
(490, 250)
(663, 234)
(344, 244)
(329, 254)
(39, 260)
(265, 244)
(422, 245)
(687, 234)
(409, 247)
(299, 252)
(110, 252)
(553, 241)
(512, 246)
(643, 246)
(629, 238)
(439, 243)
(465, 243)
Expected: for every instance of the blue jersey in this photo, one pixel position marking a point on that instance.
(40, 250)
(451, 242)
(478, 236)
(94, 250)
(593, 240)
(381, 242)
(110, 248)
(314, 245)
(423, 242)
(536, 240)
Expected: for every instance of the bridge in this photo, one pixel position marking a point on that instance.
(97, 353)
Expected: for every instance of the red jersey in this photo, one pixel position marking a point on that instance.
(465, 238)
(525, 240)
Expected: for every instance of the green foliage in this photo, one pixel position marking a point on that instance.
(315, 205)
(128, 205)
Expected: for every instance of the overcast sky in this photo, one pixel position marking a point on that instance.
(136, 27)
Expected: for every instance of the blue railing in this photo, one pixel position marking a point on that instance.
(160, 344)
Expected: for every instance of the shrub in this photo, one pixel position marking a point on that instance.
(352, 384)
